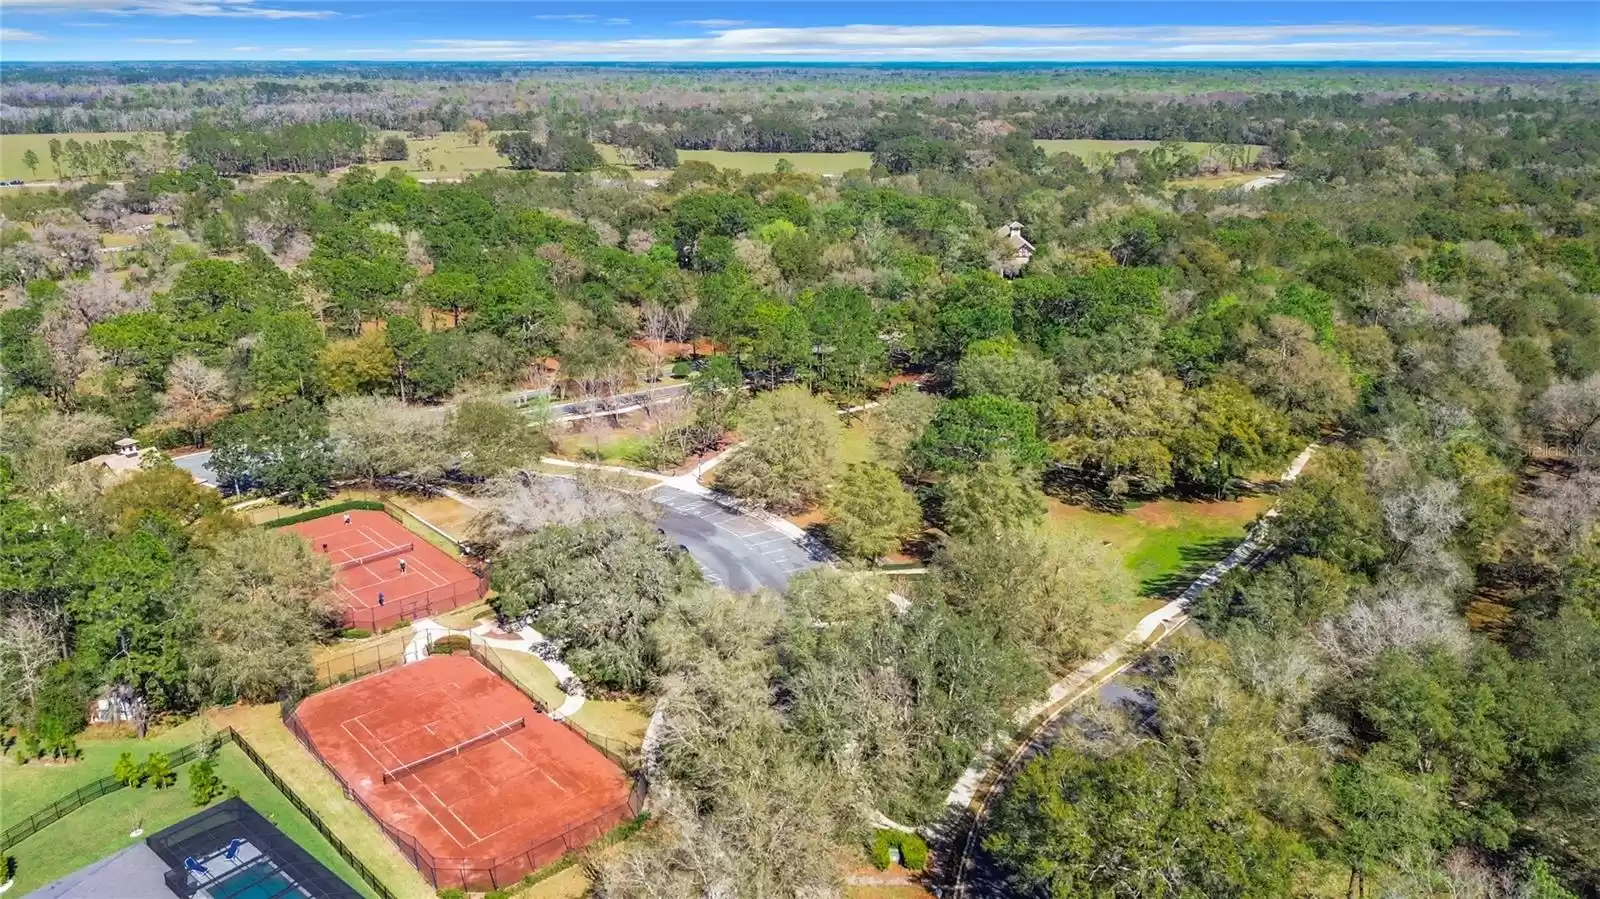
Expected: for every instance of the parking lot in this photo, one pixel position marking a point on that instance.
(733, 550)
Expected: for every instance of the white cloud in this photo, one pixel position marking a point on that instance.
(227, 9)
(1042, 42)
(714, 23)
(163, 40)
(618, 20)
(17, 34)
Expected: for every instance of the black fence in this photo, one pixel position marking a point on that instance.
(316, 820)
(362, 661)
(82, 796)
(182, 756)
(621, 754)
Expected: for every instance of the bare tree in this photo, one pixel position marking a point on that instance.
(523, 502)
(378, 438)
(28, 646)
(75, 249)
(197, 397)
(1568, 413)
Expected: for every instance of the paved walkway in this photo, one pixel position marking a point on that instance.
(426, 631)
(1151, 629)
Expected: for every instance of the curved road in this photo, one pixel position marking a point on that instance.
(736, 551)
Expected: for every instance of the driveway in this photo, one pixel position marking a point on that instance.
(199, 466)
(735, 551)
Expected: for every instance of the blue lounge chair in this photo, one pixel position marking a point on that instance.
(195, 867)
(232, 852)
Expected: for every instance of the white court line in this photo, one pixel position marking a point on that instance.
(425, 568)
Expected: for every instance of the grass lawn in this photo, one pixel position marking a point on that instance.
(14, 146)
(466, 617)
(306, 776)
(1164, 544)
(101, 828)
(1219, 181)
(31, 787)
(857, 443)
(623, 720)
(1092, 151)
(334, 661)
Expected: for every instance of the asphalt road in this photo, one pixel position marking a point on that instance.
(734, 551)
(199, 465)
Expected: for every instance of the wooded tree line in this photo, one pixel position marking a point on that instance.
(1428, 299)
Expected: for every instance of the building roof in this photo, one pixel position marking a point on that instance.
(1012, 232)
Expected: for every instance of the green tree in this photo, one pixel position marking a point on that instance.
(281, 450)
(790, 455)
(1327, 512)
(967, 431)
(161, 490)
(204, 784)
(897, 421)
(1118, 430)
(492, 437)
(262, 599)
(363, 365)
(870, 513)
(595, 588)
(31, 160)
(133, 622)
(976, 306)
(1001, 367)
(285, 362)
(994, 498)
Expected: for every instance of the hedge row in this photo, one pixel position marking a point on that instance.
(913, 851)
(367, 505)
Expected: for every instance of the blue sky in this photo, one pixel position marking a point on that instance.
(1510, 30)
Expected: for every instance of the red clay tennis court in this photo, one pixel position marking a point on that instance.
(469, 779)
(367, 555)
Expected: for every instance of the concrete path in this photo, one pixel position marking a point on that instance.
(426, 631)
(1151, 629)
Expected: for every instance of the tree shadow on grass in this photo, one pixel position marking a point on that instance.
(1196, 559)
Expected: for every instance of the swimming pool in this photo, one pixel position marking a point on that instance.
(261, 880)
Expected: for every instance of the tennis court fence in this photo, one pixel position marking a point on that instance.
(480, 874)
(433, 601)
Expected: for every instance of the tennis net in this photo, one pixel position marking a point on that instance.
(488, 736)
(373, 557)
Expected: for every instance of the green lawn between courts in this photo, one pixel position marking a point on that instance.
(623, 720)
(451, 155)
(102, 827)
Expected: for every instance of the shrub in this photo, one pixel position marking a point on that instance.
(681, 369)
(497, 894)
(446, 645)
(8, 868)
(882, 841)
(355, 633)
(913, 851)
(158, 770)
(452, 893)
(400, 625)
(325, 511)
(127, 771)
(204, 785)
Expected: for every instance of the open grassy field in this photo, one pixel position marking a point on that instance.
(1219, 181)
(102, 827)
(1091, 151)
(14, 146)
(1164, 543)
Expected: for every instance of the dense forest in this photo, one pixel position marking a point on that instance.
(1401, 698)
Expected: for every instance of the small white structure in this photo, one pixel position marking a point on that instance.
(123, 460)
(1021, 249)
